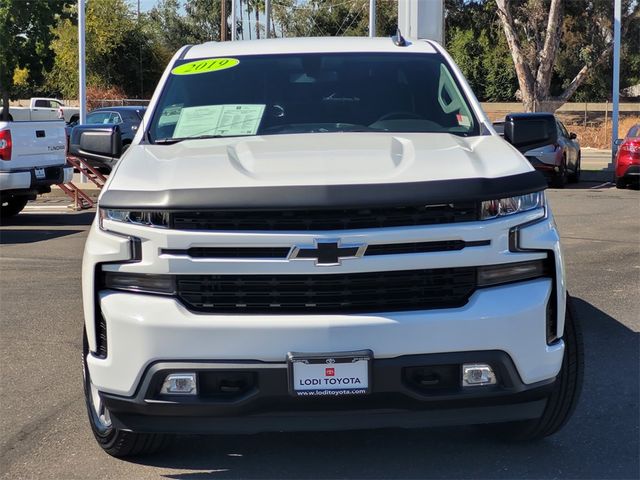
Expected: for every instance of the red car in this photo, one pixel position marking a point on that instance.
(628, 159)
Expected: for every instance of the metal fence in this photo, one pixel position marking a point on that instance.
(120, 102)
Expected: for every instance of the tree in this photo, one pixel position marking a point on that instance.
(113, 55)
(334, 18)
(203, 17)
(25, 39)
(534, 30)
(170, 28)
(475, 40)
(256, 5)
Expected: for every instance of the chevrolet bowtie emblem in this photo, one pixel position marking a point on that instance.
(328, 252)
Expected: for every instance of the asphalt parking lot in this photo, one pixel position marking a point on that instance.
(45, 433)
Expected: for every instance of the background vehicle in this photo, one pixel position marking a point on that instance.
(32, 158)
(628, 159)
(323, 233)
(41, 109)
(558, 162)
(127, 117)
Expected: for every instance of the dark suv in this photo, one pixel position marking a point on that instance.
(128, 118)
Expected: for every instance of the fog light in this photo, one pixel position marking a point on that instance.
(477, 374)
(180, 383)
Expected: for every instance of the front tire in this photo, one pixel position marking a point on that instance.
(12, 206)
(559, 180)
(115, 442)
(575, 176)
(563, 400)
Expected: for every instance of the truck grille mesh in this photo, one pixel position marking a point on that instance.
(341, 293)
(332, 219)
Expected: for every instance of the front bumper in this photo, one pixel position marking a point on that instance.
(143, 329)
(263, 404)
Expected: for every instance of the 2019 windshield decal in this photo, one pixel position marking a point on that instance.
(205, 65)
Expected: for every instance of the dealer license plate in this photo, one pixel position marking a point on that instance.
(40, 174)
(330, 374)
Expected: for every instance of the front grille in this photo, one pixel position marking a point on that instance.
(283, 252)
(334, 219)
(352, 292)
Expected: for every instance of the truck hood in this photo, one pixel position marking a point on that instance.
(314, 159)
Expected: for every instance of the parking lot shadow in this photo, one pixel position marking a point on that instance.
(40, 227)
(49, 219)
(12, 236)
(600, 441)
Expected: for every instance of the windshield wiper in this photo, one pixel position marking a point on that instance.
(172, 140)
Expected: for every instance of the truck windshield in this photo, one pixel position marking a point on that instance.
(310, 92)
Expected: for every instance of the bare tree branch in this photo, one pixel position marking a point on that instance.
(583, 74)
(548, 53)
(525, 77)
(585, 71)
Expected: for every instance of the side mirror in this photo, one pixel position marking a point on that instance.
(530, 130)
(618, 141)
(102, 143)
(573, 136)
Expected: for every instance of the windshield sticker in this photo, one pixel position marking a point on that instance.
(205, 66)
(170, 115)
(463, 120)
(223, 120)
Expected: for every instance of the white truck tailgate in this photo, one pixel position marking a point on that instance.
(35, 144)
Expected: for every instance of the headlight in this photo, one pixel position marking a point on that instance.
(512, 205)
(147, 218)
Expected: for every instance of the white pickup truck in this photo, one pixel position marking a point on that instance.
(40, 109)
(32, 158)
(317, 234)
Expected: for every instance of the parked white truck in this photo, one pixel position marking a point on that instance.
(323, 233)
(32, 158)
(40, 109)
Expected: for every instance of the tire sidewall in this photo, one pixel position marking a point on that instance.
(104, 435)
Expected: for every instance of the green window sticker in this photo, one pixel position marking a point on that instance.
(205, 66)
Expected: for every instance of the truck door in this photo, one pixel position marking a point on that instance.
(44, 109)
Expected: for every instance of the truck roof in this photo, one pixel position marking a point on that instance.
(306, 45)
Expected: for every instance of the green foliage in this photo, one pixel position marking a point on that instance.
(335, 18)
(25, 39)
(582, 41)
(118, 50)
(476, 43)
(117, 40)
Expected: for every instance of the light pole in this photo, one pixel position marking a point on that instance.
(82, 74)
(234, 27)
(267, 15)
(372, 18)
(617, 17)
(82, 77)
(422, 19)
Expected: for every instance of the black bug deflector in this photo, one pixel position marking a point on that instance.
(328, 196)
